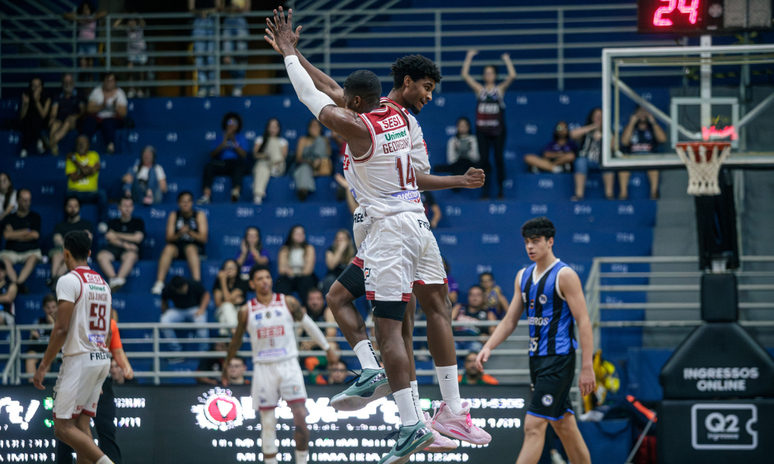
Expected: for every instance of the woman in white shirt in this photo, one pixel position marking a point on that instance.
(146, 181)
(270, 152)
(295, 265)
(461, 150)
(105, 111)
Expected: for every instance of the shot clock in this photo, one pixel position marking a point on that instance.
(688, 17)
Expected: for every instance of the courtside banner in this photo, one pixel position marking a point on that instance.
(201, 423)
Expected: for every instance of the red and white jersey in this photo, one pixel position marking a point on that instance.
(384, 178)
(271, 330)
(90, 323)
(419, 156)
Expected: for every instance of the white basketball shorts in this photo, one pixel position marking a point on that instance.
(79, 384)
(272, 381)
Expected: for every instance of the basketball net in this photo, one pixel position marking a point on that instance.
(703, 160)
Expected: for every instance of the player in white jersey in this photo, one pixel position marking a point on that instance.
(82, 332)
(269, 318)
(400, 250)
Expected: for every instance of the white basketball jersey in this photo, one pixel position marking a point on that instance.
(385, 180)
(419, 156)
(271, 330)
(90, 323)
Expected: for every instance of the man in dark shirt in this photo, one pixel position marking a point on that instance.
(190, 301)
(124, 237)
(73, 221)
(68, 106)
(213, 364)
(8, 292)
(21, 231)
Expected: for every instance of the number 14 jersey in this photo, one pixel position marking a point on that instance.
(92, 301)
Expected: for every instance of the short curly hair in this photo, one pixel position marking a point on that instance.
(415, 66)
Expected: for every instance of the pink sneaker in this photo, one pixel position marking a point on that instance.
(441, 443)
(459, 425)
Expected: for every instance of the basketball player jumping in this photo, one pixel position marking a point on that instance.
(553, 296)
(82, 332)
(269, 319)
(400, 250)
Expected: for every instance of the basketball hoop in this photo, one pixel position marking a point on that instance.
(703, 160)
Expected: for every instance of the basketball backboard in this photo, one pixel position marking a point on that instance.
(700, 93)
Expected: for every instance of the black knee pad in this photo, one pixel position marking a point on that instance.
(394, 310)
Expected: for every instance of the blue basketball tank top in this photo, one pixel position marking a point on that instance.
(551, 325)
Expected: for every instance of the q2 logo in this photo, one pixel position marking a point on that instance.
(724, 426)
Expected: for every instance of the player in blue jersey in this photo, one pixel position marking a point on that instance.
(552, 294)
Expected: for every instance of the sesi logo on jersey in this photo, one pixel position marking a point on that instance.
(271, 332)
(393, 122)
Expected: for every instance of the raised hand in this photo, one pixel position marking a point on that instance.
(505, 56)
(280, 34)
(472, 53)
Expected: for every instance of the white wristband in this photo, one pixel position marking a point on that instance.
(304, 86)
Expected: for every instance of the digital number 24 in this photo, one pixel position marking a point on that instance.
(691, 10)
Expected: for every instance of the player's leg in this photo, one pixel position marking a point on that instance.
(194, 263)
(301, 433)
(293, 391)
(534, 439)
(572, 440)
(265, 394)
(105, 260)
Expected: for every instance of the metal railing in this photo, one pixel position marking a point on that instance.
(682, 314)
(153, 345)
(568, 38)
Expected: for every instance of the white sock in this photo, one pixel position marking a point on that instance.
(271, 460)
(301, 456)
(406, 409)
(104, 460)
(415, 397)
(366, 355)
(450, 389)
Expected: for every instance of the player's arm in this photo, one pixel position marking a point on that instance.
(56, 342)
(322, 81)
(570, 285)
(299, 315)
(505, 328)
(236, 341)
(472, 179)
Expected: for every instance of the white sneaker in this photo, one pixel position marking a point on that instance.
(23, 154)
(116, 283)
(41, 148)
(157, 288)
(258, 200)
(236, 93)
(102, 228)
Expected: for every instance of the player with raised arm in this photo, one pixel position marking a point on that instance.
(82, 332)
(269, 318)
(400, 250)
(553, 296)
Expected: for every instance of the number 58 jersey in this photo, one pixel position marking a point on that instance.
(92, 302)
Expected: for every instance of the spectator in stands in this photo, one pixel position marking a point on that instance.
(136, 48)
(432, 210)
(251, 252)
(8, 291)
(190, 301)
(313, 159)
(227, 158)
(494, 299)
(337, 257)
(82, 171)
(490, 116)
(472, 375)
(8, 201)
(87, 33)
(461, 150)
(50, 308)
(21, 231)
(33, 114)
(558, 154)
(230, 293)
(187, 233)
(475, 310)
(295, 265)
(454, 287)
(67, 108)
(124, 236)
(204, 46)
(236, 371)
(319, 312)
(641, 137)
(337, 373)
(105, 111)
(146, 181)
(589, 138)
(212, 364)
(270, 152)
(73, 221)
(235, 25)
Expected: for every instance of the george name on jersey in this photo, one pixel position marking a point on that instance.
(271, 332)
(398, 145)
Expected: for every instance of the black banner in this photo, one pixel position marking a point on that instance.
(194, 423)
